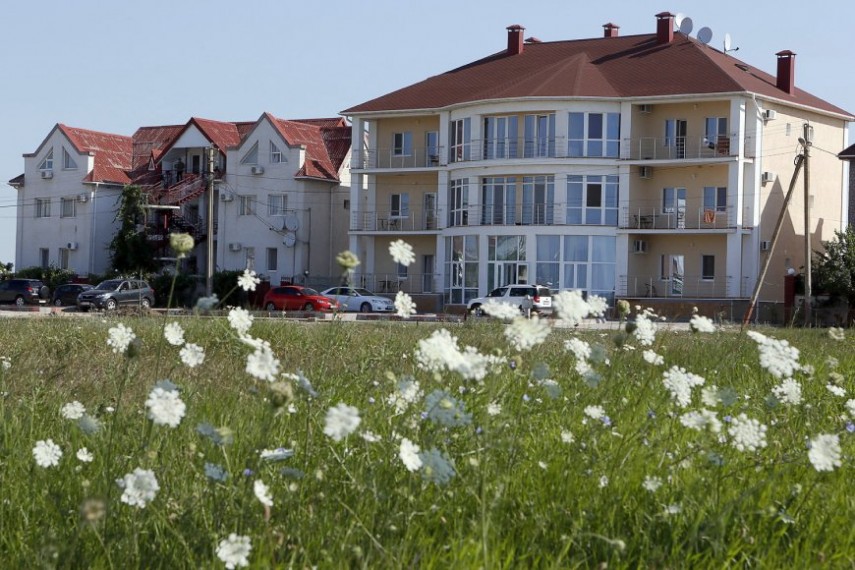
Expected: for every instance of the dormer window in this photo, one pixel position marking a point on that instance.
(47, 161)
(275, 154)
(251, 157)
(68, 162)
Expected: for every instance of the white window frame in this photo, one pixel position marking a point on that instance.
(68, 162)
(275, 154)
(715, 196)
(42, 208)
(251, 156)
(399, 205)
(461, 140)
(458, 202)
(44, 257)
(47, 161)
(272, 258)
(250, 258)
(277, 204)
(71, 205)
(64, 255)
(402, 143)
(247, 205)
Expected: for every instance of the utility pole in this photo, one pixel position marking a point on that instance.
(806, 142)
(209, 280)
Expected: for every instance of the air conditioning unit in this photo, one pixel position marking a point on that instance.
(47, 174)
(72, 245)
(646, 109)
(765, 245)
(770, 114)
(235, 247)
(257, 169)
(83, 198)
(646, 172)
(767, 177)
(639, 246)
(226, 197)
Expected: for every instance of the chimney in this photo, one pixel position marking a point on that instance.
(664, 27)
(610, 30)
(787, 71)
(515, 39)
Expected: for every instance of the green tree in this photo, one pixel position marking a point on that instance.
(130, 250)
(834, 268)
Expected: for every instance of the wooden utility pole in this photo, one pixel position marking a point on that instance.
(209, 280)
(806, 141)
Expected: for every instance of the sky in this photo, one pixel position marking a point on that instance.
(115, 66)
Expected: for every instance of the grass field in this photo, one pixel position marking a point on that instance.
(542, 463)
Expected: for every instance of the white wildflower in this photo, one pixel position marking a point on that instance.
(524, 334)
(341, 421)
(85, 455)
(710, 397)
(748, 434)
(597, 306)
(120, 337)
(234, 551)
(192, 355)
(262, 493)
(402, 252)
(604, 481)
(567, 437)
(500, 310)
(701, 324)
(494, 409)
(825, 452)
(165, 407)
(404, 305)
(240, 320)
(409, 454)
(370, 436)
(73, 410)
(263, 364)
(652, 483)
(139, 487)
(850, 407)
(701, 420)
(788, 392)
(580, 349)
(837, 333)
(651, 357)
(47, 453)
(778, 357)
(836, 390)
(174, 334)
(594, 412)
(570, 306)
(645, 328)
(680, 383)
(248, 280)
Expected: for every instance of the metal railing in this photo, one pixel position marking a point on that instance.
(655, 217)
(532, 214)
(675, 286)
(390, 283)
(396, 221)
(679, 148)
(424, 157)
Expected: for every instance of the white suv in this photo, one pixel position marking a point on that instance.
(541, 298)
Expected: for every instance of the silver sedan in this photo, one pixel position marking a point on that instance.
(358, 299)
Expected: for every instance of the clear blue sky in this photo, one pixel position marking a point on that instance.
(114, 66)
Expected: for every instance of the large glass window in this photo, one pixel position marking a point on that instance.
(715, 198)
(539, 136)
(399, 205)
(500, 137)
(402, 144)
(461, 269)
(708, 267)
(42, 207)
(592, 200)
(246, 205)
(594, 135)
(548, 267)
(506, 261)
(715, 135)
(458, 202)
(461, 140)
(538, 205)
(589, 264)
(498, 200)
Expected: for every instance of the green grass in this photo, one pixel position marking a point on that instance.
(521, 497)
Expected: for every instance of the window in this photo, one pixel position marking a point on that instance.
(498, 200)
(592, 200)
(539, 136)
(715, 134)
(538, 205)
(42, 207)
(548, 266)
(594, 135)
(44, 257)
(400, 205)
(68, 162)
(461, 269)
(461, 140)
(707, 267)
(506, 256)
(346, 204)
(401, 270)
(251, 157)
(402, 144)
(47, 161)
(63, 258)
(250, 258)
(671, 268)
(67, 208)
(715, 198)
(275, 154)
(276, 204)
(246, 205)
(675, 137)
(458, 202)
(432, 148)
(500, 137)
(673, 200)
(272, 259)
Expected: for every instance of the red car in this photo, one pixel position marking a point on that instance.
(297, 298)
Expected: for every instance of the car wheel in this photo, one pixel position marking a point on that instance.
(146, 304)
(270, 307)
(308, 307)
(476, 310)
(365, 308)
(57, 302)
(19, 301)
(110, 305)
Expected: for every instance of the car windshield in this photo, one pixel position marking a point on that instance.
(308, 292)
(111, 285)
(363, 292)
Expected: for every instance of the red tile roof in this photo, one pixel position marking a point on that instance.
(621, 67)
(327, 143)
(112, 153)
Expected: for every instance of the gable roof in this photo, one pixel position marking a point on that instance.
(619, 67)
(848, 153)
(327, 143)
(112, 153)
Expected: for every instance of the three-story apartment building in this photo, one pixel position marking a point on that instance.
(642, 166)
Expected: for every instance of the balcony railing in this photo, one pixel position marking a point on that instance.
(396, 221)
(425, 157)
(539, 214)
(655, 217)
(679, 148)
(391, 283)
(676, 286)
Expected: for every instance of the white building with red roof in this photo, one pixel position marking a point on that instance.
(646, 166)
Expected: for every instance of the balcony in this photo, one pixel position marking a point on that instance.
(392, 158)
(655, 217)
(679, 148)
(391, 283)
(683, 286)
(540, 214)
(395, 221)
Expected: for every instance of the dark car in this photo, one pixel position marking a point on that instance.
(23, 291)
(297, 298)
(112, 293)
(66, 295)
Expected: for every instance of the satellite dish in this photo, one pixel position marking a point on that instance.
(705, 35)
(678, 19)
(289, 240)
(727, 42)
(291, 223)
(686, 26)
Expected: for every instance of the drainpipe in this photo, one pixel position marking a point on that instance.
(91, 268)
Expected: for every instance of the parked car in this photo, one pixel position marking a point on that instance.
(541, 298)
(66, 295)
(357, 299)
(297, 298)
(23, 291)
(112, 293)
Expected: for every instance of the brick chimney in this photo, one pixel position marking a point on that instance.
(515, 39)
(664, 27)
(787, 71)
(610, 30)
